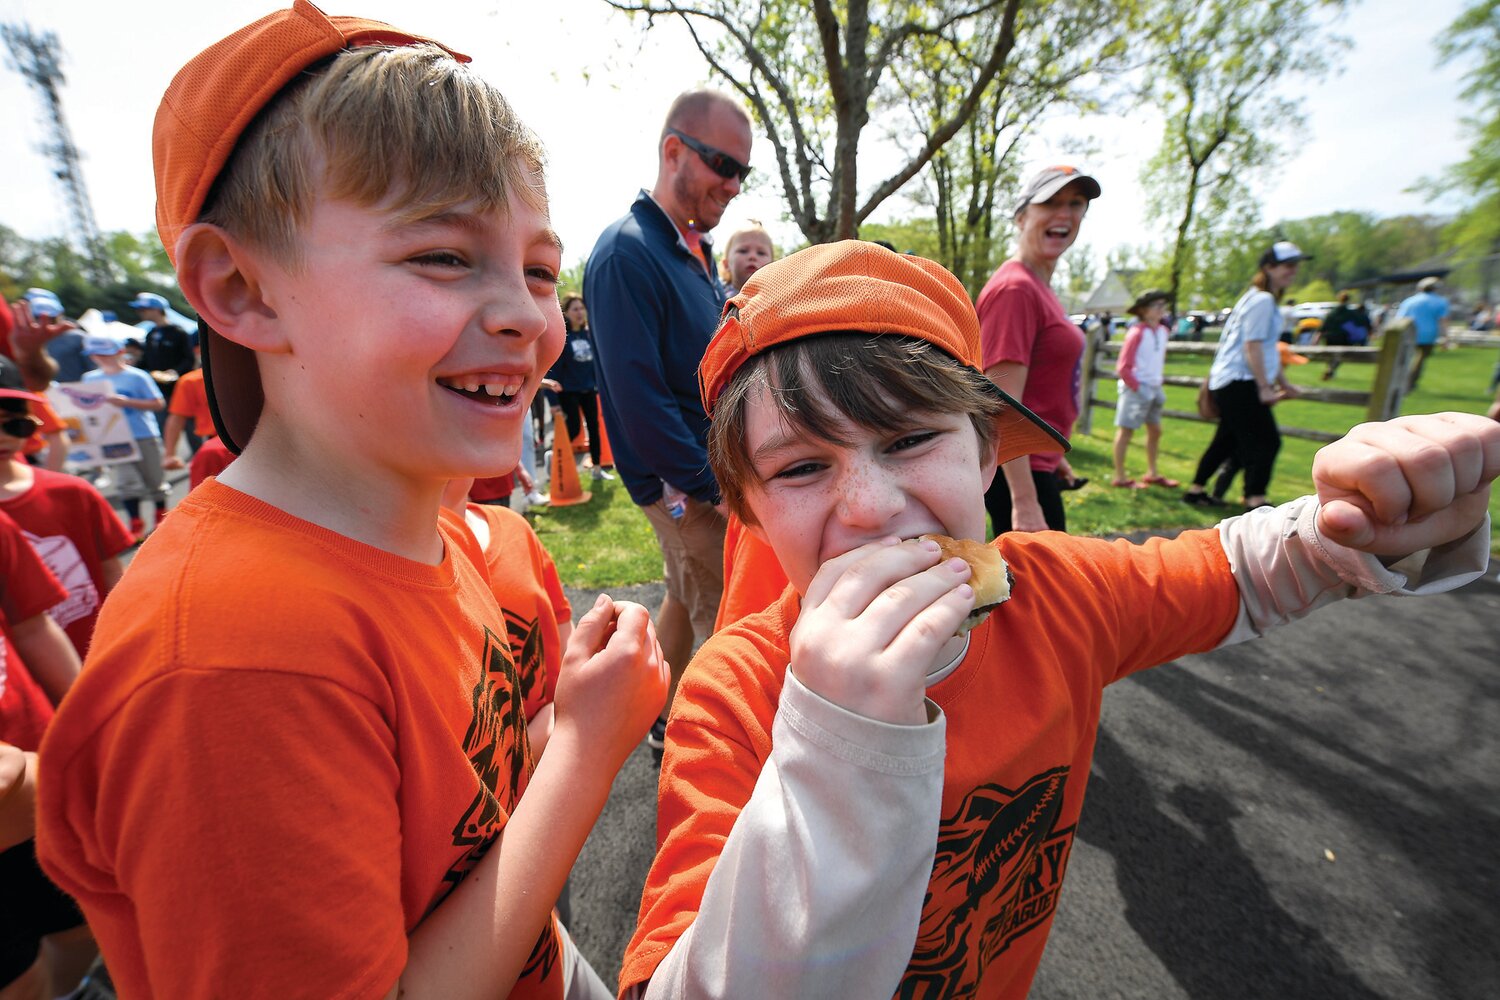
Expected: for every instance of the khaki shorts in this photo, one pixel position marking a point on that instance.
(1139, 406)
(692, 549)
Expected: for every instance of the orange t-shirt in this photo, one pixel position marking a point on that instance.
(753, 577)
(524, 581)
(1023, 712)
(286, 749)
(190, 400)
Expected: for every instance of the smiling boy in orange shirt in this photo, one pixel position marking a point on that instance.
(295, 764)
(856, 799)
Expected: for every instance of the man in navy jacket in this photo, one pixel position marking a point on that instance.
(654, 297)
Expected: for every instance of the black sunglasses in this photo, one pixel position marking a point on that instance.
(20, 427)
(716, 160)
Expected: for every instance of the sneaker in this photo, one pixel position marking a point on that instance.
(1202, 500)
(138, 529)
(603, 473)
(656, 739)
(537, 499)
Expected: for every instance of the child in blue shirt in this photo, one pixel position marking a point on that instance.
(134, 392)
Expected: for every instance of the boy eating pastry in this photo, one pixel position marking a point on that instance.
(858, 800)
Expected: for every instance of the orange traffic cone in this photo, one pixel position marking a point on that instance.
(566, 489)
(606, 457)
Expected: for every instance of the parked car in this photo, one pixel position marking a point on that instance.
(1311, 310)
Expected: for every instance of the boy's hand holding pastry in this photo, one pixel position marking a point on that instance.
(872, 623)
(1407, 484)
(612, 683)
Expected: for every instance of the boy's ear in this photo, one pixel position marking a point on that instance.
(221, 276)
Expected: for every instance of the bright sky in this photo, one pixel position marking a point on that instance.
(583, 78)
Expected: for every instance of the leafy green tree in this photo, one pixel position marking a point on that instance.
(1068, 52)
(1213, 72)
(811, 72)
(135, 262)
(1475, 35)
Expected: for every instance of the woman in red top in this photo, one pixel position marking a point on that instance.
(1031, 348)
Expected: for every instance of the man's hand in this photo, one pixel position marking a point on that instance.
(612, 683)
(172, 462)
(1270, 395)
(1027, 516)
(873, 621)
(1407, 484)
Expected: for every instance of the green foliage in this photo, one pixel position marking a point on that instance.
(1316, 290)
(1213, 72)
(916, 236)
(1066, 56)
(137, 262)
(1475, 35)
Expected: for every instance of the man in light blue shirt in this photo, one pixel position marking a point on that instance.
(1426, 310)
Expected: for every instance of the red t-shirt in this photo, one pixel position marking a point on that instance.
(211, 459)
(1023, 714)
(190, 400)
(524, 581)
(74, 529)
(287, 749)
(27, 589)
(493, 488)
(1021, 321)
(753, 577)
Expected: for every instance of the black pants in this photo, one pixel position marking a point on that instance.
(585, 404)
(1048, 495)
(1247, 433)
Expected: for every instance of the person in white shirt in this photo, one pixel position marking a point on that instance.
(1141, 398)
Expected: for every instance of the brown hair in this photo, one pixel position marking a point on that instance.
(875, 380)
(568, 300)
(365, 126)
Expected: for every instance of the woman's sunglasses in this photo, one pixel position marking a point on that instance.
(716, 160)
(20, 427)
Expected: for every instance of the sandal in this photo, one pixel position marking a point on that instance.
(1074, 483)
(1129, 484)
(1160, 481)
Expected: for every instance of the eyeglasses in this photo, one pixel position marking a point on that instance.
(20, 427)
(716, 160)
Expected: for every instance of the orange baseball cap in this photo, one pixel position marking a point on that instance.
(863, 287)
(207, 107)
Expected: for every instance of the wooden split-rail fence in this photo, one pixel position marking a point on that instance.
(1392, 359)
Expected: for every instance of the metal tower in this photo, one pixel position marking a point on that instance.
(37, 57)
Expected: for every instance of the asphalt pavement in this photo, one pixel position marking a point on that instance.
(1313, 815)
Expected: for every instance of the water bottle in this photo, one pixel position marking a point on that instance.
(674, 499)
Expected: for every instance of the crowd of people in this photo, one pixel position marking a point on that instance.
(338, 732)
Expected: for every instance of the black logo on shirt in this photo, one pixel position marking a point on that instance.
(997, 874)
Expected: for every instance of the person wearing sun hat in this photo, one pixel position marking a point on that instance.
(1141, 368)
(1031, 348)
(866, 781)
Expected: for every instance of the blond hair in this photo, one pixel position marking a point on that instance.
(753, 229)
(368, 126)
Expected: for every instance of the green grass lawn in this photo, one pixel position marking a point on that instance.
(1452, 380)
(608, 543)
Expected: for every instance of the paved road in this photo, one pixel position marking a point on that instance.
(1371, 731)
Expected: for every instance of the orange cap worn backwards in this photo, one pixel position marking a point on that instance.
(856, 286)
(207, 107)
